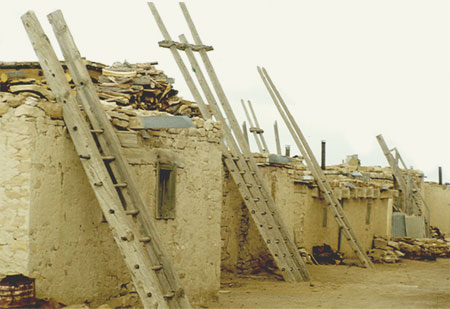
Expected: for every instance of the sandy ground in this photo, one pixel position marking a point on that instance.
(409, 284)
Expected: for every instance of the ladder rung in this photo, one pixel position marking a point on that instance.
(157, 267)
(120, 185)
(99, 131)
(132, 212)
(242, 172)
(87, 157)
(249, 185)
(98, 184)
(169, 295)
(108, 158)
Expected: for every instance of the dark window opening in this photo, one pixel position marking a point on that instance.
(166, 192)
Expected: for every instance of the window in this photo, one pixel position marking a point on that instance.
(165, 193)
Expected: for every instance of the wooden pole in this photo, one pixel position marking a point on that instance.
(277, 138)
(244, 129)
(440, 174)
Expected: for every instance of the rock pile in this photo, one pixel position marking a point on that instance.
(391, 250)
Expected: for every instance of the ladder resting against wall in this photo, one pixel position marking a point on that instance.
(315, 169)
(236, 153)
(414, 202)
(106, 168)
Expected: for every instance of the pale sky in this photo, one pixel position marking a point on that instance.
(348, 70)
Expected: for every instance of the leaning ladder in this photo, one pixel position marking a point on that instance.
(414, 201)
(315, 169)
(106, 168)
(236, 154)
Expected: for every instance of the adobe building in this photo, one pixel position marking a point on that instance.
(52, 228)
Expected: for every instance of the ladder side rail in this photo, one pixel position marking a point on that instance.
(261, 134)
(248, 178)
(277, 138)
(245, 130)
(110, 142)
(323, 184)
(255, 135)
(94, 167)
(259, 180)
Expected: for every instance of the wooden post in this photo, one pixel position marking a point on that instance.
(440, 174)
(277, 138)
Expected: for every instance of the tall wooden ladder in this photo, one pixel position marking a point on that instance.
(315, 169)
(236, 152)
(415, 203)
(107, 169)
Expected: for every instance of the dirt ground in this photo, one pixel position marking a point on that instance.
(409, 284)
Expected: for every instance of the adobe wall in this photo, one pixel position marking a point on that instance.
(302, 210)
(438, 200)
(70, 249)
(15, 176)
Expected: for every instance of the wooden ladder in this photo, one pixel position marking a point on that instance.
(236, 153)
(107, 169)
(315, 169)
(415, 203)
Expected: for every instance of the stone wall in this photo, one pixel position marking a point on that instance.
(61, 237)
(367, 196)
(438, 200)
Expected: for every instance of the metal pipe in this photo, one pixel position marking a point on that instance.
(287, 150)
